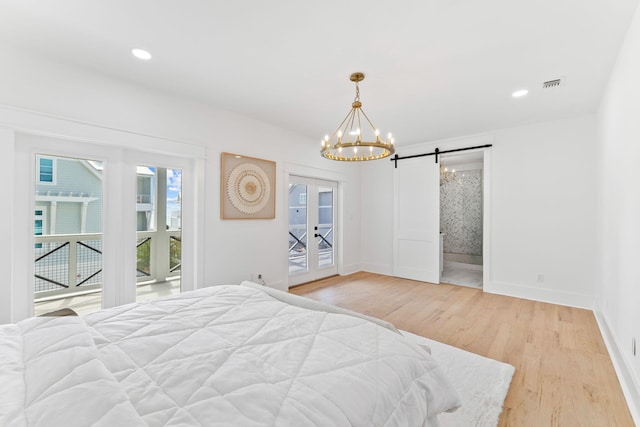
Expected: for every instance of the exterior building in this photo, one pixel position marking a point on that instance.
(69, 196)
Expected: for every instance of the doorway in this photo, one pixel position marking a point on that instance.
(462, 219)
(67, 258)
(312, 229)
(158, 231)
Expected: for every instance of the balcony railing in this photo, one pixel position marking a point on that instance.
(67, 264)
(298, 247)
(72, 263)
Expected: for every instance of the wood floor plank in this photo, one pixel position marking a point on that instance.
(564, 375)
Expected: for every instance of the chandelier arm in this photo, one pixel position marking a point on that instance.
(343, 122)
(350, 125)
(368, 121)
(359, 135)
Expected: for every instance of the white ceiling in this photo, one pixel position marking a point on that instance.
(435, 68)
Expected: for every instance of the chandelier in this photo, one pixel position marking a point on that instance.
(446, 175)
(353, 140)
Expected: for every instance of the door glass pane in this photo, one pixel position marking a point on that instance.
(298, 254)
(68, 234)
(325, 227)
(174, 223)
(158, 216)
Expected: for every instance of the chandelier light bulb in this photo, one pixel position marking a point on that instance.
(377, 132)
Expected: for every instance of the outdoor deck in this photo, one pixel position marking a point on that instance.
(89, 302)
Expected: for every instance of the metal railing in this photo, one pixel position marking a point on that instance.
(143, 257)
(298, 247)
(175, 253)
(67, 263)
(72, 263)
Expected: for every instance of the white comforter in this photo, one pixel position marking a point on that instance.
(51, 375)
(223, 356)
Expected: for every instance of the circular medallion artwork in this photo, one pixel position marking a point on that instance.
(248, 188)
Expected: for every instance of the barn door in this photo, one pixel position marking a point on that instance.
(416, 240)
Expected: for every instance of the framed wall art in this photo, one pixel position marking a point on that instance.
(248, 187)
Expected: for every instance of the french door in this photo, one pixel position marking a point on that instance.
(312, 229)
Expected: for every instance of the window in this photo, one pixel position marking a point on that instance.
(39, 225)
(45, 170)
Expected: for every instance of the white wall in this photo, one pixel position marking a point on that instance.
(377, 216)
(6, 225)
(618, 280)
(542, 210)
(72, 103)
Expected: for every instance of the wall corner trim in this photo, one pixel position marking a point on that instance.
(630, 387)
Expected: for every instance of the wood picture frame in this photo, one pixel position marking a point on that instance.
(248, 187)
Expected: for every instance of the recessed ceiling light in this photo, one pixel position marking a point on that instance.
(141, 54)
(520, 93)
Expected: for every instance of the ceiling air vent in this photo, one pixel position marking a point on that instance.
(553, 84)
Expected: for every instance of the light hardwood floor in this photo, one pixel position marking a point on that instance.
(564, 376)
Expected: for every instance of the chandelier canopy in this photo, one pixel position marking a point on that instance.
(353, 140)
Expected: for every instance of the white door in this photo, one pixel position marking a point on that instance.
(416, 237)
(312, 229)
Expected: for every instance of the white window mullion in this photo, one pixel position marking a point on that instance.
(119, 232)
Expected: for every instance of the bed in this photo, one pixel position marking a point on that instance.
(230, 355)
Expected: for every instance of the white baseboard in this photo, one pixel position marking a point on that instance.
(629, 385)
(349, 269)
(552, 296)
(384, 269)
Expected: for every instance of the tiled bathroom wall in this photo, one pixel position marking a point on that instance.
(461, 213)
